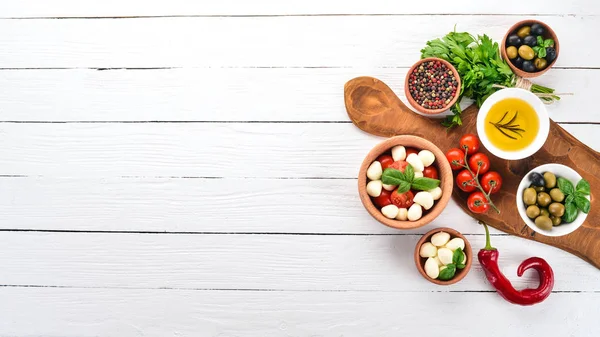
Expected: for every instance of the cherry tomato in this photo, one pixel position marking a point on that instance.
(481, 161)
(404, 200)
(456, 158)
(399, 165)
(383, 199)
(491, 181)
(385, 160)
(470, 142)
(465, 181)
(477, 202)
(431, 172)
(410, 150)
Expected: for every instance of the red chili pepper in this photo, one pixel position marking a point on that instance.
(488, 258)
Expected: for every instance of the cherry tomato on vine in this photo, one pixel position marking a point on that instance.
(404, 200)
(465, 181)
(431, 172)
(477, 202)
(410, 150)
(399, 165)
(470, 142)
(383, 199)
(481, 161)
(456, 158)
(385, 160)
(491, 181)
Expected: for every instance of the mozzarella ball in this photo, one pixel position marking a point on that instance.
(431, 268)
(424, 199)
(455, 244)
(445, 255)
(426, 157)
(402, 214)
(440, 239)
(418, 174)
(415, 212)
(436, 193)
(428, 250)
(464, 261)
(375, 171)
(390, 211)
(374, 188)
(389, 187)
(415, 162)
(398, 153)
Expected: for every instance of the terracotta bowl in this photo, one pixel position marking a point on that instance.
(550, 34)
(460, 273)
(445, 174)
(411, 100)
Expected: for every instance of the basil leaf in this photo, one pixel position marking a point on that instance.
(582, 203)
(548, 43)
(448, 272)
(425, 184)
(540, 41)
(403, 187)
(393, 177)
(460, 266)
(570, 212)
(458, 256)
(569, 199)
(542, 52)
(583, 187)
(409, 173)
(565, 186)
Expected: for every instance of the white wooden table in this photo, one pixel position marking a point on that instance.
(187, 168)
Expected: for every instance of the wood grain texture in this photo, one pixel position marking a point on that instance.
(74, 8)
(259, 262)
(178, 95)
(374, 108)
(185, 313)
(259, 42)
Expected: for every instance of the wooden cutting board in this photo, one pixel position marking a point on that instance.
(374, 108)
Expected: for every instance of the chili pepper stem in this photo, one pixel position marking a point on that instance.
(476, 178)
(488, 244)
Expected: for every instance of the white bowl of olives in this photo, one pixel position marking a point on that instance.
(553, 199)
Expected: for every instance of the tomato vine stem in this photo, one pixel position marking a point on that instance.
(476, 179)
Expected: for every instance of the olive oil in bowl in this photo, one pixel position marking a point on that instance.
(511, 124)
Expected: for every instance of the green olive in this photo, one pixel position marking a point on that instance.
(526, 52)
(539, 188)
(523, 31)
(557, 195)
(543, 222)
(544, 212)
(556, 220)
(550, 179)
(511, 52)
(543, 199)
(540, 63)
(529, 196)
(556, 209)
(533, 211)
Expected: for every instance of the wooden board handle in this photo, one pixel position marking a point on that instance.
(374, 108)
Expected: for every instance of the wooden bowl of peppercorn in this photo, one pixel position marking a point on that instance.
(432, 86)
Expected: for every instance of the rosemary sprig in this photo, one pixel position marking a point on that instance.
(509, 127)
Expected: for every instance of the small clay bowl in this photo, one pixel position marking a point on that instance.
(445, 175)
(460, 273)
(414, 103)
(550, 34)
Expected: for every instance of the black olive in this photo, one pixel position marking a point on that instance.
(529, 67)
(536, 179)
(518, 62)
(550, 54)
(513, 40)
(537, 29)
(530, 40)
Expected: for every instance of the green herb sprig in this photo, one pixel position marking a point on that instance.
(509, 128)
(450, 270)
(406, 180)
(540, 49)
(575, 198)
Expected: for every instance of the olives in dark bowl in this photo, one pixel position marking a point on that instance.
(536, 45)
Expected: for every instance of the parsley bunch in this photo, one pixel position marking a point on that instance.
(479, 66)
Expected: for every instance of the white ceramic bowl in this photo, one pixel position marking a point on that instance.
(559, 171)
(539, 108)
